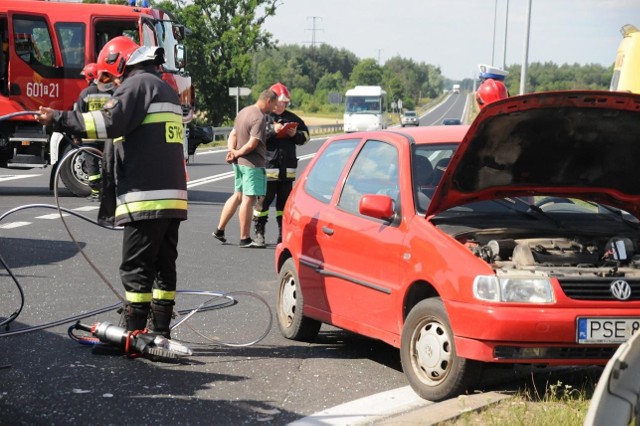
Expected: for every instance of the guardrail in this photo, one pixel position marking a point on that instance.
(222, 133)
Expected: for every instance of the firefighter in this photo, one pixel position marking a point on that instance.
(92, 99)
(491, 88)
(285, 131)
(490, 91)
(144, 176)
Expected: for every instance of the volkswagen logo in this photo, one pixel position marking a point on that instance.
(620, 289)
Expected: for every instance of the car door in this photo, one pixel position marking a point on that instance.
(309, 212)
(361, 254)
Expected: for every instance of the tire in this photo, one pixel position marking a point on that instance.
(428, 354)
(74, 175)
(291, 321)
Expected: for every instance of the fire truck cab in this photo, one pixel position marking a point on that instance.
(45, 46)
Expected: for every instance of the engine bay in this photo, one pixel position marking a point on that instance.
(612, 256)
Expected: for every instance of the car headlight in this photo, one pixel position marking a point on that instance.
(513, 290)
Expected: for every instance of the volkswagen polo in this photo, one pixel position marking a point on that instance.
(514, 240)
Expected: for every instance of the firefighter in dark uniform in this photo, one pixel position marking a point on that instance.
(282, 161)
(92, 99)
(144, 177)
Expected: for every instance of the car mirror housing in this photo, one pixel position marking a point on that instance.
(377, 206)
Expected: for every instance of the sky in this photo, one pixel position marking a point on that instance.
(457, 35)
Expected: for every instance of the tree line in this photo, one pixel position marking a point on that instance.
(227, 46)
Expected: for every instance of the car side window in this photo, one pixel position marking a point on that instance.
(322, 180)
(429, 163)
(374, 171)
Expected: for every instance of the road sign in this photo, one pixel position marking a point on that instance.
(400, 104)
(335, 98)
(239, 91)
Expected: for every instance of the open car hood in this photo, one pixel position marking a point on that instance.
(580, 144)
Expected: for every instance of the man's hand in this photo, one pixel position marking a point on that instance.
(230, 158)
(45, 116)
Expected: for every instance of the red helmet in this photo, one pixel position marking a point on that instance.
(113, 57)
(90, 72)
(490, 91)
(281, 92)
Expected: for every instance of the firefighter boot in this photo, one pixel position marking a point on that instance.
(279, 220)
(161, 315)
(135, 316)
(258, 240)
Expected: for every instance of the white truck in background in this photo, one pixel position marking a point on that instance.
(365, 109)
(456, 88)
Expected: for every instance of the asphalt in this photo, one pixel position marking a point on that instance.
(400, 406)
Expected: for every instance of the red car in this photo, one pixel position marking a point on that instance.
(514, 240)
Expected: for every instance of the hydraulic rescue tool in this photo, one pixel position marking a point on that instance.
(136, 343)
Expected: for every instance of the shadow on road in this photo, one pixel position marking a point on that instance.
(46, 378)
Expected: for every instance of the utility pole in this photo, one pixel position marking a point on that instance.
(493, 45)
(506, 25)
(313, 30)
(525, 59)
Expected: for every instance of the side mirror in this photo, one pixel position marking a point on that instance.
(180, 54)
(377, 206)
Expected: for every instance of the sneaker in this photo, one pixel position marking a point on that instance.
(249, 243)
(219, 235)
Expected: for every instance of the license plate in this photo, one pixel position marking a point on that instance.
(606, 330)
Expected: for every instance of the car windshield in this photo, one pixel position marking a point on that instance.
(430, 163)
(410, 114)
(363, 104)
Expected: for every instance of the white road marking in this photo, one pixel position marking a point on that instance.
(87, 208)
(52, 216)
(367, 409)
(14, 177)
(12, 225)
(202, 181)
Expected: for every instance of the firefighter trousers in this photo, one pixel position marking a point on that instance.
(276, 189)
(149, 253)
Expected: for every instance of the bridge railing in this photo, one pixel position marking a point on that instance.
(222, 133)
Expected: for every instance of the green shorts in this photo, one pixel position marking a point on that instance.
(250, 180)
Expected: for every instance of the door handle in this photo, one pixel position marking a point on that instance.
(327, 230)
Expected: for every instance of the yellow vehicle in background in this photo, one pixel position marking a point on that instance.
(626, 71)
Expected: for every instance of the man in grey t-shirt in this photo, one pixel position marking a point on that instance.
(247, 150)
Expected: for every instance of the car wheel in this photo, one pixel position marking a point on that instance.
(291, 321)
(428, 354)
(74, 175)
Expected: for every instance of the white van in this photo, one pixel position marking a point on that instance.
(365, 109)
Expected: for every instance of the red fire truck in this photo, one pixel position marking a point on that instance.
(45, 46)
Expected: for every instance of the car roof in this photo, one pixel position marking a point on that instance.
(435, 134)
(582, 144)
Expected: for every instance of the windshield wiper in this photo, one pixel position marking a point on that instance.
(509, 201)
(617, 213)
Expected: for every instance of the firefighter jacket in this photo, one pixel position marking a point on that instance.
(281, 151)
(92, 99)
(146, 160)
